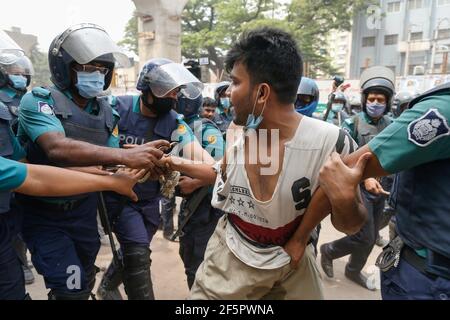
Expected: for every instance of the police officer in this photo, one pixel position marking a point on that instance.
(15, 77)
(12, 286)
(338, 112)
(307, 97)
(200, 226)
(67, 125)
(147, 117)
(416, 264)
(378, 87)
(224, 113)
(208, 109)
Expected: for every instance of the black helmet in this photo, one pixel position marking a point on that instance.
(220, 88)
(401, 101)
(83, 43)
(378, 79)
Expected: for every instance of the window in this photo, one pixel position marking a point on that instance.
(391, 39)
(444, 34)
(368, 42)
(394, 7)
(443, 2)
(415, 4)
(416, 36)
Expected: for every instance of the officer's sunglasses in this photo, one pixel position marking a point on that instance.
(90, 68)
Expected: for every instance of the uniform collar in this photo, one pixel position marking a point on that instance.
(12, 93)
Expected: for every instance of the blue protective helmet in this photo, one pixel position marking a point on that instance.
(307, 87)
(189, 107)
(83, 43)
(161, 76)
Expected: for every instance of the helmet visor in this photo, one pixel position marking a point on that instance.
(168, 77)
(9, 50)
(87, 42)
(22, 66)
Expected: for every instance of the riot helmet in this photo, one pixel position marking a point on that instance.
(339, 102)
(378, 80)
(16, 74)
(189, 107)
(401, 102)
(222, 99)
(307, 97)
(83, 44)
(159, 77)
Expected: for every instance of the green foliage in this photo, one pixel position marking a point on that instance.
(130, 40)
(41, 69)
(211, 26)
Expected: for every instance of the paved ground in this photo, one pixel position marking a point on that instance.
(170, 282)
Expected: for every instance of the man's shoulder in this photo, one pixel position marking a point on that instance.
(38, 100)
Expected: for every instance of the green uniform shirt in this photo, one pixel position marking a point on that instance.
(12, 174)
(211, 138)
(36, 116)
(420, 135)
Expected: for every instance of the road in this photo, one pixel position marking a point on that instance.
(170, 282)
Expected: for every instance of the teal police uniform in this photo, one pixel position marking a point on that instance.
(201, 225)
(62, 232)
(12, 175)
(417, 145)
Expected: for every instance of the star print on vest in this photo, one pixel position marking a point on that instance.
(428, 128)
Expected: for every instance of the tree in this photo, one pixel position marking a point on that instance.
(211, 26)
(130, 40)
(41, 69)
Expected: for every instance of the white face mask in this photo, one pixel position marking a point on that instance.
(337, 107)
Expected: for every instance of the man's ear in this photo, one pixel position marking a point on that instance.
(264, 93)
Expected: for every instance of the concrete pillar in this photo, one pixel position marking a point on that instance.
(159, 27)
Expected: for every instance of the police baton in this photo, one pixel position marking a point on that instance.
(107, 227)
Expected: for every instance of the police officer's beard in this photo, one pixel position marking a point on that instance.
(160, 106)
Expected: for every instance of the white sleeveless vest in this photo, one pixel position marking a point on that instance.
(257, 230)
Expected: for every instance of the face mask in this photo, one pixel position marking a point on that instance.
(160, 106)
(252, 122)
(19, 82)
(90, 84)
(337, 107)
(375, 110)
(225, 103)
(307, 110)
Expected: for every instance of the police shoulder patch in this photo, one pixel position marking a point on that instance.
(182, 129)
(428, 128)
(212, 139)
(45, 108)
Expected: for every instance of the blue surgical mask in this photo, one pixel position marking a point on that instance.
(252, 121)
(375, 109)
(19, 82)
(90, 84)
(225, 103)
(307, 110)
(337, 107)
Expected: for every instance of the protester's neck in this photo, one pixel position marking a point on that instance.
(281, 117)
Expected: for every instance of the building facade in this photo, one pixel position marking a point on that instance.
(412, 37)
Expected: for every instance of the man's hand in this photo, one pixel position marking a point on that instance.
(126, 179)
(338, 181)
(145, 156)
(188, 185)
(373, 186)
(295, 249)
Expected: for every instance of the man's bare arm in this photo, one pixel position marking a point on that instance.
(68, 152)
(56, 182)
(201, 171)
